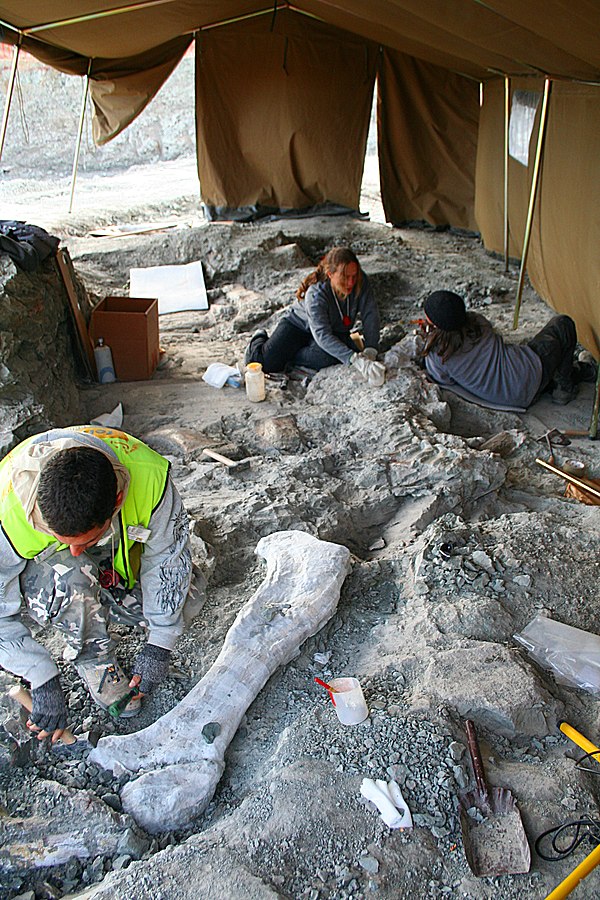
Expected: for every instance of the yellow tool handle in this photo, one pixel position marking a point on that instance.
(582, 485)
(584, 868)
(578, 739)
(592, 859)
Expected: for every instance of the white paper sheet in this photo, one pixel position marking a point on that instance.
(112, 419)
(177, 288)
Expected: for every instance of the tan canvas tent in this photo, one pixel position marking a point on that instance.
(283, 97)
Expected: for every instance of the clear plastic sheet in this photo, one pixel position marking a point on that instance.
(571, 654)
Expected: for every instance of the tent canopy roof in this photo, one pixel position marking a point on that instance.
(480, 38)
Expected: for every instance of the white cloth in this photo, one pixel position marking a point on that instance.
(112, 419)
(217, 374)
(388, 799)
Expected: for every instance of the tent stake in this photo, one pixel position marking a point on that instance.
(532, 195)
(506, 128)
(9, 93)
(86, 86)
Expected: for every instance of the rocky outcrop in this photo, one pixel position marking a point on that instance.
(38, 368)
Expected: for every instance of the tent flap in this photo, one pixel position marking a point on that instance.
(563, 254)
(120, 89)
(274, 129)
(427, 126)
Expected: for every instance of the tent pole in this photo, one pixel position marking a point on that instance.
(593, 429)
(92, 16)
(532, 195)
(145, 4)
(506, 127)
(86, 87)
(9, 93)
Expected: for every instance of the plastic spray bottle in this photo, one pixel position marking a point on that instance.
(104, 362)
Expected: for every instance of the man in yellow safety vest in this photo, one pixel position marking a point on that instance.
(92, 529)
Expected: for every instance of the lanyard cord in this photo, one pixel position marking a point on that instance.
(335, 297)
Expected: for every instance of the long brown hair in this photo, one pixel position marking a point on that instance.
(336, 258)
(446, 343)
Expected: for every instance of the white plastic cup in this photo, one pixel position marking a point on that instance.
(350, 704)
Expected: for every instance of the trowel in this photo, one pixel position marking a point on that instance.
(492, 830)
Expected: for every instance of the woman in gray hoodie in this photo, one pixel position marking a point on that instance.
(315, 332)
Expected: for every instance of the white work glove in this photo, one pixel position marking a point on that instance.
(370, 353)
(389, 801)
(369, 370)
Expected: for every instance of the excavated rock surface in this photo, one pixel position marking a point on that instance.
(393, 473)
(38, 366)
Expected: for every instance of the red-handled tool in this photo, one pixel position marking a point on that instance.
(328, 688)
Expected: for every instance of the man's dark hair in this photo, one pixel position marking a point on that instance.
(445, 343)
(77, 491)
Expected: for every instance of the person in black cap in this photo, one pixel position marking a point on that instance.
(462, 348)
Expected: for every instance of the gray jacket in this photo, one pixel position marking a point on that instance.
(322, 315)
(496, 372)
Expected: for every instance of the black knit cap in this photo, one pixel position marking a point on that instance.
(446, 310)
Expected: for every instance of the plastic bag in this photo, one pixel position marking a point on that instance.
(577, 493)
(571, 654)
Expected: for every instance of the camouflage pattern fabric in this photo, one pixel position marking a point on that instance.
(64, 591)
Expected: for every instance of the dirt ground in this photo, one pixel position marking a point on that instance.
(392, 473)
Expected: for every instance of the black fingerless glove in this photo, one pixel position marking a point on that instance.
(152, 665)
(48, 709)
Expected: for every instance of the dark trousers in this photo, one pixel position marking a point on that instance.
(291, 346)
(555, 346)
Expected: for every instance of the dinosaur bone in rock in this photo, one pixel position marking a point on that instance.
(180, 757)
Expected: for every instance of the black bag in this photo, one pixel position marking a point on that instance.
(27, 245)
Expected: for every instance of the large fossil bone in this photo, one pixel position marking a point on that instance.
(180, 757)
